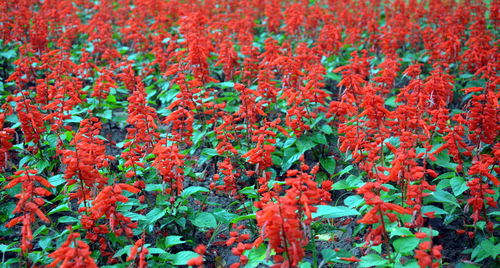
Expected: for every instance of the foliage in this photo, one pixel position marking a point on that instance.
(249, 133)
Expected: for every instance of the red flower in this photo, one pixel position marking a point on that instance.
(197, 261)
(29, 203)
(351, 259)
(77, 256)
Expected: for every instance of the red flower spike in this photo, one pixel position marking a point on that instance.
(73, 253)
(30, 200)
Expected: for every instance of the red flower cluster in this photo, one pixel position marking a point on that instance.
(73, 253)
(30, 199)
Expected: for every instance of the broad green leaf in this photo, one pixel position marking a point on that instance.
(173, 240)
(45, 242)
(391, 101)
(436, 210)
(155, 214)
(111, 99)
(181, 258)
(326, 129)
(484, 250)
(289, 142)
(154, 187)
(334, 212)
(244, 217)
(249, 191)
(445, 197)
(443, 160)
(304, 144)
(107, 114)
(458, 185)
(406, 244)
(344, 170)
(289, 162)
(446, 175)
(194, 189)
(319, 138)
(372, 260)
(134, 216)
(67, 219)
(209, 151)
(400, 231)
(156, 251)
(61, 207)
(205, 220)
(41, 165)
(255, 256)
(124, 250)
(328, 164)
(56, 180)
(353, 201)
(224, 216)
(330, 255)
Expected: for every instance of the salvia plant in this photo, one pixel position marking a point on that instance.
(216, 133)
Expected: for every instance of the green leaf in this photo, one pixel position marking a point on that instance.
(56, 180)
(61, 207)
(353, 201)
(155, 214)
(192, 190)
(67, 219)
(443, 160)
(391, 101)
(446, 175)
(484, 250)
(344, 171)
(156, 251)
(330, 255)
(458, 185)
(111, 99)
(255, 256)
(326, 129)
(434, 209)
(289, 142)
(244, 217)
(249, 191)
(107, 114)
(445, 197)
(304, 144)
(41, 165)
(372, 260)
(122, 251)
(209, 152)
(4, 248)
(352, 182)
(406, 244)
(400, 231)
(9, 54)
(134, 216)
(319, 138)
(223, 216)
(45, 242)
(467, 265)
(173, 240)
(205, 220)
(429, 232)
(305, 264)
(154, 187)
(334, 212)
(289, 162)
(181, 258)
(328, 164)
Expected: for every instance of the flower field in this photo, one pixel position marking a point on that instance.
(237, 133)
